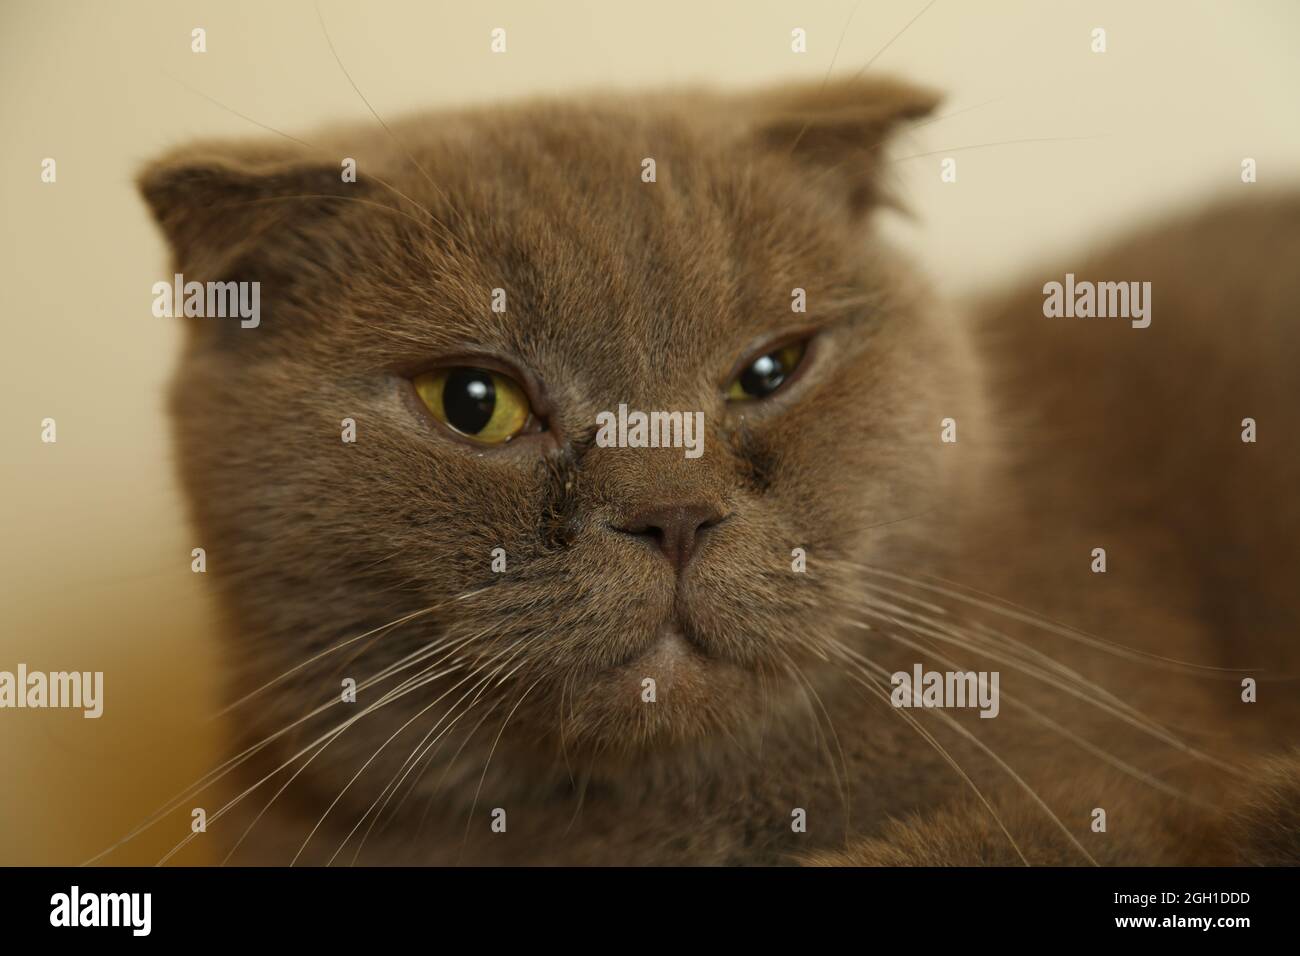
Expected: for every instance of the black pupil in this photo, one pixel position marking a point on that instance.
(764, 376)
(468, 399)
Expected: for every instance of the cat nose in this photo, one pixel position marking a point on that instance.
(674, 529)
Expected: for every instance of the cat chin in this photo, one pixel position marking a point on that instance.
(671, 659)
(668, 662)
(669, 691)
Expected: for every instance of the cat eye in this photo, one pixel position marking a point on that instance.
(479, 403)
(767, 373)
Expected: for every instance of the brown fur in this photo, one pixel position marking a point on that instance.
(649, 294)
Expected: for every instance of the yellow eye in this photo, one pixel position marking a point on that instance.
(767, 373)
(477, 402)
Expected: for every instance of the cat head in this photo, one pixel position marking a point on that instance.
(399, 474)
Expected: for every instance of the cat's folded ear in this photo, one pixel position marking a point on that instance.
(223, 205)
(838, 130)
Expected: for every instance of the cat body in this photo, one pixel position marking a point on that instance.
(767, 589)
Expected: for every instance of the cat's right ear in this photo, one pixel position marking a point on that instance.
(837, 131)
(224, 207)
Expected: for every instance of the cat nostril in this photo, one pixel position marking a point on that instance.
(674, 529)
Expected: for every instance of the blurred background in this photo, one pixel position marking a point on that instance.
(1056, 147)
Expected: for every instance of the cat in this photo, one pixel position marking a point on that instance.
(461, 630)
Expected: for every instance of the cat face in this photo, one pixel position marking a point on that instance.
(387, 448)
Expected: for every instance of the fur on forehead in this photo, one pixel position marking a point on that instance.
(221, 203)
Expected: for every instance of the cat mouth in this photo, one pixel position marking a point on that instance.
(671, 649)
(669, 653)
(670, 668)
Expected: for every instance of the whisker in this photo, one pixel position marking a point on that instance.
(1010, 771)
(330, 650)
(469, 819)
(384, 745)
(1015, 612)
(1001, 142)
(422, 678)
(214, 775)
(234, 112)
(876, 56)
(1070, 735)
(841, 782)
(947, 634)
(426, 762)
(432, 677)
(387, 699)
(826, 79)
(929, 738)
(1122, 711)
(418, 753)
(409, 155)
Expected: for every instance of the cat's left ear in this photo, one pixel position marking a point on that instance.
(838, 130)
(225, 208)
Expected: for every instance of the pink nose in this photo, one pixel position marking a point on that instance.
(673, 529)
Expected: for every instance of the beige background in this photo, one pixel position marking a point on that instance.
(95, 559)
